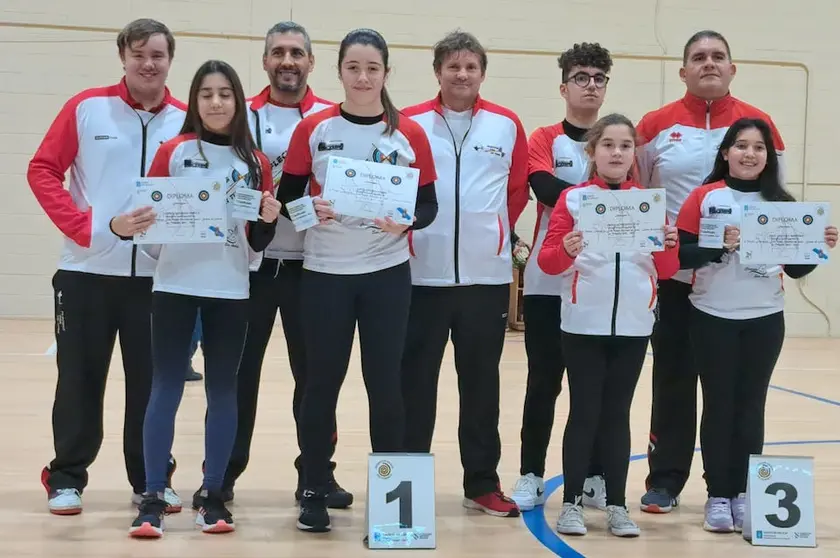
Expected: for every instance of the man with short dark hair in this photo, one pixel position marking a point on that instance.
(274, 114)
(106, 136)
(461, 265)
(677, 147)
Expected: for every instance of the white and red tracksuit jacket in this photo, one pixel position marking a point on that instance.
(482, 189)
(272, 125)
(211, 270)
(678, 144)
(106, 139)
(551, 150)
(603, 294)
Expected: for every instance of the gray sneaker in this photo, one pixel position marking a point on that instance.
(719, 516)
(619, 522)
(739, 511)
(570, 521)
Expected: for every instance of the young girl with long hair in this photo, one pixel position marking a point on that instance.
(737, 321)
(354, 270)
(215, 142)
(607, 316)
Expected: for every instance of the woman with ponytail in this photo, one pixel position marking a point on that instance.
(354, 270)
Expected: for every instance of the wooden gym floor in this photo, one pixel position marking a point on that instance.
(802, 417)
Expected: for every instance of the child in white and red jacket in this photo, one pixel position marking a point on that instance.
(607, 316)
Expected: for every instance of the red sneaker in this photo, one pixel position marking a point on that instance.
(494, 503)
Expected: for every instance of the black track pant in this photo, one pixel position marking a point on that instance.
(603, 373)
(546, 365)
(673, 422)
(332, 306)
(476, 316)
(275, 286)
(89, 312)
(735, 359)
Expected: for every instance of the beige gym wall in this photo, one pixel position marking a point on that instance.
(51, 49)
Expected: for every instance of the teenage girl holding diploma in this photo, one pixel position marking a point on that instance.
(737, 322)
(215, 142)
(354, 270)
(607, 317)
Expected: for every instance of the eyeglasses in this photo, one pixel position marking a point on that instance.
(582, 79)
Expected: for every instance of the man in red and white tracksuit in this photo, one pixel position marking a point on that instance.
(461, 265)
(106, 137)
(676, 151)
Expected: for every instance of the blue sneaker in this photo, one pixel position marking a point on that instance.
(659, 500)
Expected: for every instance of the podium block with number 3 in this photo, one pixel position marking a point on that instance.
(400, 511)
(780, 501)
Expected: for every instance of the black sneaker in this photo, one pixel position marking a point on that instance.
(149, 522)
(337, 497)
(313, 513)
(213, 516)
(198, 499)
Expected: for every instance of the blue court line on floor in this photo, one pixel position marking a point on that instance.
(808, 395)
(795, 392)
(538, 524)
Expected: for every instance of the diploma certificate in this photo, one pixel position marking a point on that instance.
(188, 210)
(784, 233)
(622, 220)
(371, 190)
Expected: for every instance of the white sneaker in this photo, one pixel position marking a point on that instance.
(595, 493)
(173, 501)
(570, 520)
(529, 492)
(619, 522)
(65, 501)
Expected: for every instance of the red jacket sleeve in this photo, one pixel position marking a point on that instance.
(553, 258)
(667, 262)
(688, 218)
(424, 160)
(266, 177)
(517, 190)
(541, 152)
(160, 164)
(299, 155)
(46, 173)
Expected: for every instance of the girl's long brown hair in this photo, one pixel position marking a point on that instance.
(242, 141)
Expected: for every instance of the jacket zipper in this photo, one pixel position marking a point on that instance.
(458, 150)
(615, 294)
(145, 127)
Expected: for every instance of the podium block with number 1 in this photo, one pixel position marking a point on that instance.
(780, 501)
(400, 511)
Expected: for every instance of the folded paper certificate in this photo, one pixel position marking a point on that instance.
(784, 233)
(371, 190)
(622, 220)
(188, 209)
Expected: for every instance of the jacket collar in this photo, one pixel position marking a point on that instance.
(625, 184)
(125, 95)
(437, 103)
(698, 105)
(264, 98)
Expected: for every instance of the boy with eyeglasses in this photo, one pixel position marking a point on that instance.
(556, 162)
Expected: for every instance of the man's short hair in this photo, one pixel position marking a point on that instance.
(140, 30)
(457, 41)
(289, 27)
